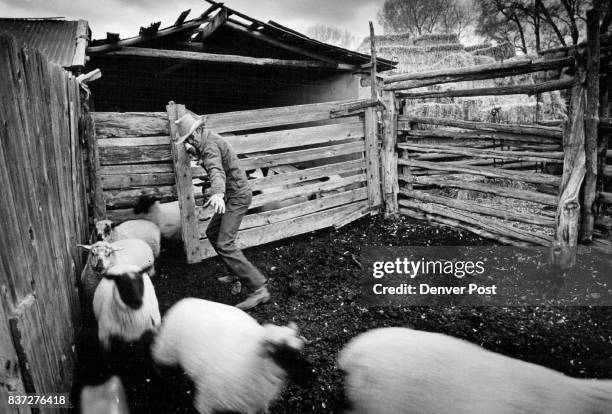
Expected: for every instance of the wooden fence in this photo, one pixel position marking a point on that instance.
(44, 215)
(545, 167)
(320, 155)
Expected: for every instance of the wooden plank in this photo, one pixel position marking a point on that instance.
(296, 210)
(291, 138)
(212, 26)
(272, 117)
(372, 160)
(479, 208)
(305, 175)
(591, 119)
(115, 181)
(134, 155)
(552, 157)
(184, 189)
(553, 85)
(388, 154)
(288, 228)
(306, 190)
(293, 157)
(130, 124)
(529, 177)
(518, 194)
(480, 72)
(133, 142)
(409, 134)
(224, 59)
(136, 169)
(606, 198)
(491, 225)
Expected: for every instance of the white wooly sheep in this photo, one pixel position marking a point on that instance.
(399, 370)
(125, 306)
(167, 216)
(104, 255)
(236, 364)
(144, 230)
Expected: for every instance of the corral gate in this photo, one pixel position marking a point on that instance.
(323, 156)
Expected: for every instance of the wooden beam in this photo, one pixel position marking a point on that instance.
(549, 132)
(458, 136)
(214, 6)
(388, 154)
(372, 160)
(556, 156)
(295, 49)
(499, 90)
(497, 70)
(212, 26)
(217, 58)
(82, 40)
(373, 74)
(182, 17)
(591, 121)
(138, 39)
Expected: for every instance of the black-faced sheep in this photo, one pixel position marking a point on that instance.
(125, 306)
(399, 370)
(144, 230)
(235, 363)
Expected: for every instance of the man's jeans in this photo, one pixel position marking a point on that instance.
(222, 231)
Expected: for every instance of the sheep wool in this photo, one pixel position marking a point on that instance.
(167, 216)
(399, 370)
(125, 305)
(144, 230)
(104, 255)
(232, 360)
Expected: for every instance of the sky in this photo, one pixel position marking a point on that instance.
(127, 16)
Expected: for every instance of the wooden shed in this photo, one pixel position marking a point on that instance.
(222, 61)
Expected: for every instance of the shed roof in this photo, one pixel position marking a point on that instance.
(56, 39)
(271, 32)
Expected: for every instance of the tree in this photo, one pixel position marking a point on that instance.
(332, 35)
(537, 24)
(419, 17)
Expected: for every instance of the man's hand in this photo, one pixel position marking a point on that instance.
(217, 203)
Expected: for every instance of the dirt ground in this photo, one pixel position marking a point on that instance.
(315, 282)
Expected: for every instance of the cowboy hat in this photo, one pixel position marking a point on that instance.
(188, 123)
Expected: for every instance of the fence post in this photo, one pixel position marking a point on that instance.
(98, 205)
(372, 159)
(565, 243)
(388, 154)
(591, 118)
(184, 188)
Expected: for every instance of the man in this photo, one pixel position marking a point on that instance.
(230, 200)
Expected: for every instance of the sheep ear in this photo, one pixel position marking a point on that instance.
(85, 246)
(293, 362)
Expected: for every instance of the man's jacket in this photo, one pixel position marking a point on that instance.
(221, 164)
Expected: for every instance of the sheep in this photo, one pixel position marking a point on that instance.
(104, 398)
(105, 255)
(125, 306)
(235, 363)
(400, 370)
(144, 230)
(167, 216)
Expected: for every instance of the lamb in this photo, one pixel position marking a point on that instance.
(144, 230)
(167, 216)
(236, 364)
(125, 306)
(399, 370)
